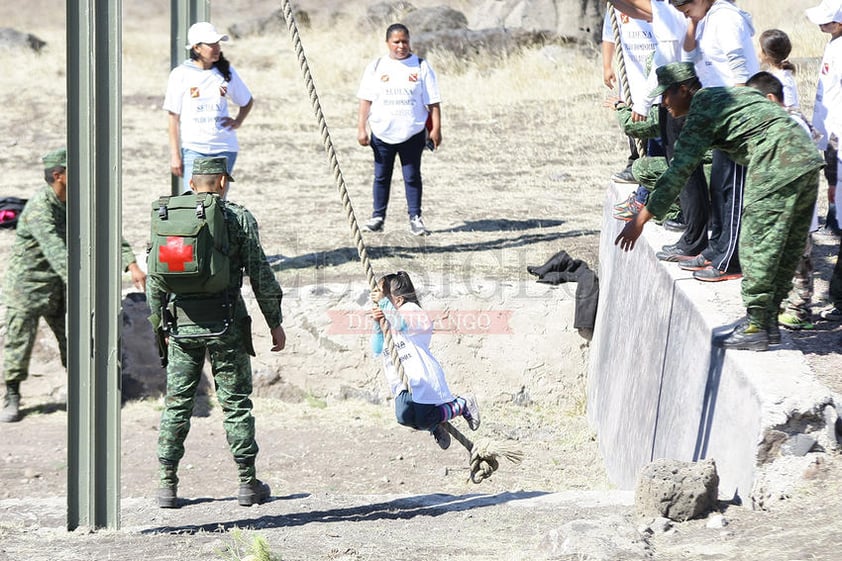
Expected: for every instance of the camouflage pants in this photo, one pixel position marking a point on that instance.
(21, 330)
(231, 369)
(801, 296)
(774, 231)
(646, 170)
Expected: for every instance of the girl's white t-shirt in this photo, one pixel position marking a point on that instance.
(638, 42)
(724, 54)
(787, 79)
(399, 92)
(200, 98)
(412, 330)
(827, 111)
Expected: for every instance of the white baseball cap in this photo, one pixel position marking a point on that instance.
(826, 12)
(203, 32)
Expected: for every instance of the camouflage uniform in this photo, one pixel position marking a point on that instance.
(229, 353)
(781, 185)
(36, 281)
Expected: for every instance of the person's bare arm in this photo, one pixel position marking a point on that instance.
(608, 76)
(175, 144)
(362, 119)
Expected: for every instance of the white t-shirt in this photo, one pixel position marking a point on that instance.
(200, 98)
(412, 330)
(724, 54)
(787, 78)
(827, 112)
(669, 27)
(399, 92)
(638, 42)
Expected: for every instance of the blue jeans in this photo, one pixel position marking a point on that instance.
(187, 157)
(384, 162)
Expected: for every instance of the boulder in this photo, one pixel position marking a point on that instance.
(383, 14)
(467, 44)
(439, 18)
(12, 38)
(577, 20)
(271, 24)
(677, 490)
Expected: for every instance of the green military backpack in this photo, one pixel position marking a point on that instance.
(189, 244)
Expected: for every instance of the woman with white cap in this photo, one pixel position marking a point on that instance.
(197, 102)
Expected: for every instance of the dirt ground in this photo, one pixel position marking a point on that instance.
(519, 177)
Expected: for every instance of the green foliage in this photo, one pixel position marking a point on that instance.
(243, 549)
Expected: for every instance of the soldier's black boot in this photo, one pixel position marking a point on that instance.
(751, 334)
(168, 486)
(11, 404)
(252, 491)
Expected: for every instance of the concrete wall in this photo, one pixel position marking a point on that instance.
(657, 388)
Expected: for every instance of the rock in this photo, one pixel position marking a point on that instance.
(12, 38)
(379, 16)
(576, 20)
(606, 538)
(273, 23)
(677, 490)
(716, 521)
(798, 445)
(466, 44)
(439, 18)
(141, 370)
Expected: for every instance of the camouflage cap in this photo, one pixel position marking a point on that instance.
(672, 74)
(211, 165)
(55, 158)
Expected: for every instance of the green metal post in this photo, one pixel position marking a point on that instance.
(93, 296)
(183, 14)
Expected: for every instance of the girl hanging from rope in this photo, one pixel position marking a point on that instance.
(427, 403)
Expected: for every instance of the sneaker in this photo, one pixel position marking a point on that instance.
(416, 226)
(625, 176)
(696, 264)
(712, 274)
(253, 493)
(674, 225)
(471, 412)
(831, 313)
(629, 212)
(374, 224)
(11, 409)
(747, 336)
(793, 322)
(673, 254)
(626, 202)
(442, 436)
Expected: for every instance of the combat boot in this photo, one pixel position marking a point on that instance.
(252, 491)
(168, 486)
(11, 409)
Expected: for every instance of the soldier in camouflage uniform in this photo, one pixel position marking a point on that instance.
(36, 278)
(783, 168)
(201, 315)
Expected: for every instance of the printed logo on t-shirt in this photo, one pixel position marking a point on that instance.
(194, 92)
(413, 77)
(384, 77)
(825, 69)
(223, 89)
(624, 18)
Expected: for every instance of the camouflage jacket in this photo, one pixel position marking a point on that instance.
(246, 257)
(752, 131)
(37, 266)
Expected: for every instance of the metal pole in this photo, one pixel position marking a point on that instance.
(93, 294)
(183, 14)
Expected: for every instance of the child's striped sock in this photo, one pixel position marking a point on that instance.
(452, 409)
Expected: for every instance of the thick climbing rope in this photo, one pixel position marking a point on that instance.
(621, 70)
(484, 454)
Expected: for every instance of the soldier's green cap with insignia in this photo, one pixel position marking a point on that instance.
(672, 74)
(212, 165)
(55, 158)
